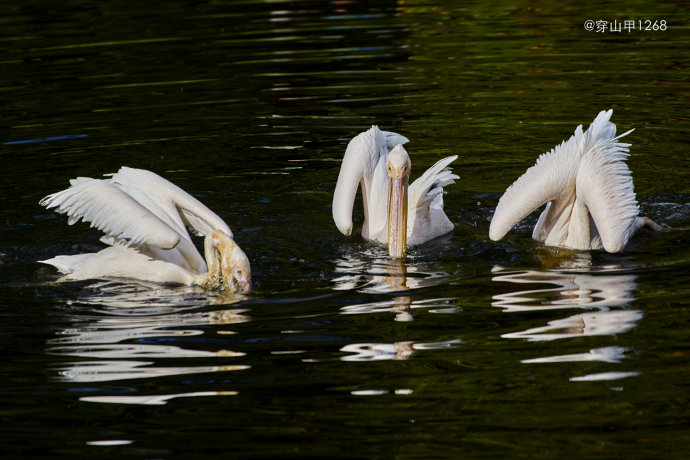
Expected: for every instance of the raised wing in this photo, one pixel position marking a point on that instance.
(426, 219)
(179, 206)
(552, 176)
(429, 185)
(605, 186)
(112, 211)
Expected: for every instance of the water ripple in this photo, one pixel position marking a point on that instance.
(604, 376)
(606, 354)
(391, 351)
(383, 275)
(109, 371)
(151, 400)
(120, 324)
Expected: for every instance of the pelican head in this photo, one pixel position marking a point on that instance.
(228, 265)
(398, 167)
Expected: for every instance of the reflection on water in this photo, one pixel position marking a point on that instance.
(140, 297)
(572, 285)
(606, 354)
(403, 307)
(153, 400)
(127, 323)
(397, 391)
(570, 290)
(387, 351)
(602, 376)
(108, 371)
(110, 442)
(584, 324)
(389, 276)
(382, 275)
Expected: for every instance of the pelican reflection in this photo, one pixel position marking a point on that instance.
(390, 276)
(379, 275)
(153, 400)
(108, 371)
(122, 332)
(584, 324)
(601, 298)
(402, 305)
(391, 351)
(606, 294)
(394, 280)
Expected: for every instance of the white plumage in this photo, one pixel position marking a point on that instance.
(588, 188)
(371, 160)
(144, 219)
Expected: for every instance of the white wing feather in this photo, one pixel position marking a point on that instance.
(605, 186)
(180, 206)
(427, 187)
(143, 217)
(550, 178)
(586, 174)
(112, 211)
(426, 218)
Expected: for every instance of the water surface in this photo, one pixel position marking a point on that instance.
(470, 349)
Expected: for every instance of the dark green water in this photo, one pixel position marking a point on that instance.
(477, 350)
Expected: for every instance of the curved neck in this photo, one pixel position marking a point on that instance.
(361, 158)
(351, 171)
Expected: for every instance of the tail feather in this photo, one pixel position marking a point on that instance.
(67, 264)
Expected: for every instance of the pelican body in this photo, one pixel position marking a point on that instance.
(588, 189)
(144, 219)
(394, 212)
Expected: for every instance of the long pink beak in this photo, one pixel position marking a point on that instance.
(397, 217)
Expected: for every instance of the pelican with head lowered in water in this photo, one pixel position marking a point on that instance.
(588, 188)
(394, 212)
(143, 217)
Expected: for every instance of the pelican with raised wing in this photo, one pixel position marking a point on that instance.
(393, 212)
(143, 217)
(588, 188)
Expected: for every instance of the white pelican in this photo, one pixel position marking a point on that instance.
(143, 217)
(377, 160)
(588, 188)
